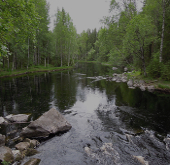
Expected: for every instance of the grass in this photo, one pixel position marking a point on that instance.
(103, 63)
(7, 73)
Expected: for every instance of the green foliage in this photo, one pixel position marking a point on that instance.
(163, 86)
(165, 75)
(154, 68)
(5, 163)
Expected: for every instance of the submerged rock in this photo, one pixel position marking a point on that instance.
(105, 153)
(33, 161)
(17, 118)
(50, 122)
(141, 160)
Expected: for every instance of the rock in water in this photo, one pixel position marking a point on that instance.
(50, 122)
(6, 154)
(17, 118)
(33, 161)
(130, 83)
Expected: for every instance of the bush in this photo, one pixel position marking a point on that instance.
(165, 73)
(155, 68)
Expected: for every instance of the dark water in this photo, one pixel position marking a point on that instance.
(110, 122)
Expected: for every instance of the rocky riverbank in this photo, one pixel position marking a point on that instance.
(51, 122)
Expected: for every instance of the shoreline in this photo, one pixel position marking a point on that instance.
(24, 72)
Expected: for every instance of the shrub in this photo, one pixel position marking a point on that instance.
(165, 73)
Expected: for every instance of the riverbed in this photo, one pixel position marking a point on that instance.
(111, 124)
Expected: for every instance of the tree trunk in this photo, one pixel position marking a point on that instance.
(143, 61)
(45, 62)
(61, 57)
(163, 28)
(35, 56)
(28, 55)
(3, 62)
(8, 62)
(13, 62)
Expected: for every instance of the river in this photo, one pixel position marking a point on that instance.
(111, 124)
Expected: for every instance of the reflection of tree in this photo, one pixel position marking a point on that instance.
(65, 90)
(153, 108)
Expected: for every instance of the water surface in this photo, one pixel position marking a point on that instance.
(110, 122)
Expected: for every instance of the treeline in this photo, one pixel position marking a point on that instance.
(26, 40)
(139, 40)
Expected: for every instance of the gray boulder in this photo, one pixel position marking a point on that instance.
(22, 146)
(130, 83)
(142, 88)
(151, 88)
(17, 118)
(50, 122)
(2, 120)
(124, 79)
(6, 154)
(2, 140)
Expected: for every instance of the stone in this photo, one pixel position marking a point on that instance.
(114, 68)
(151, 88)
(33, 161)
(142, 88)
(125, 69)
(130, 83)
(30, 152)
(114, 78)
(22, 146)
(17, 155)
(6, 154)
(33, 143)
(141, 160)
(124, 79)
(2, 120)
(2, 140)
(141, 82)
(51, 122)
(17, 118)
(167, 141)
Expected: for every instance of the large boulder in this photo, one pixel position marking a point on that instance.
(50, 122)
(17, 118)
(6, 154)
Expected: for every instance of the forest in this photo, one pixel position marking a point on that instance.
(128, 37)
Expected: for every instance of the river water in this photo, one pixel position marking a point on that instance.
(111, 124)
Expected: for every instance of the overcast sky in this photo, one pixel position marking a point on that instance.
(84, 13)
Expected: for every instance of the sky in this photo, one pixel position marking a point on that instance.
(84, 13)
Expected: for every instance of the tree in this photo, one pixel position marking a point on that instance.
(17, 18)
(139, 34)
